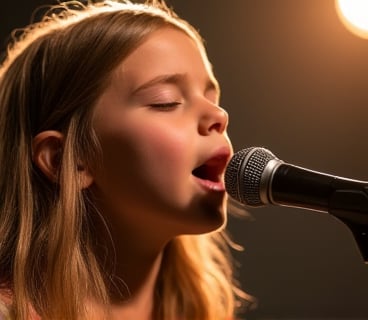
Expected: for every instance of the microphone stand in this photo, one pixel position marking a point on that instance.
(360, 233)
(351, 207)
(345, 199)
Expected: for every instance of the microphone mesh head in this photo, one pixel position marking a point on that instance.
(244, 172)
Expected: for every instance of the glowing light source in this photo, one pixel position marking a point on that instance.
(354, 15)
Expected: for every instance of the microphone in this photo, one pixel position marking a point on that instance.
(256, 177)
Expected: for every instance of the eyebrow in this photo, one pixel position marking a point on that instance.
(175, 78)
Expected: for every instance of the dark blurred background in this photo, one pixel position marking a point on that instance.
(295, 81)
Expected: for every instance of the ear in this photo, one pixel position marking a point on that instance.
(47, 149)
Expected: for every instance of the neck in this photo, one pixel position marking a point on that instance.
(132, 287)
(139, 277)
(135, 262)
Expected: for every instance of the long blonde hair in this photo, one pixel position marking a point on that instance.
(53, 74)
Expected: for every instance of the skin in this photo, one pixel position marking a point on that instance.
(157, 121)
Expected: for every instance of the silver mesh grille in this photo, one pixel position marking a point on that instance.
(244, 172)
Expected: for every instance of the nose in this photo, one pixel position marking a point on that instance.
(213, 118)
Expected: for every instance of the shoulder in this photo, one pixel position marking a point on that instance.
(5, 303)
(6, 300)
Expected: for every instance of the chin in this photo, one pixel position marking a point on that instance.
(210, 219)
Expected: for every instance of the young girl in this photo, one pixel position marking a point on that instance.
(113, 150)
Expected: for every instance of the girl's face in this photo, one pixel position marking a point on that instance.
(164, 141)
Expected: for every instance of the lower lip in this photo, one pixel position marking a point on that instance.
(216, 186)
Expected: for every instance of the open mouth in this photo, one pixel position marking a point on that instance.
(207, 172)
(210, 174)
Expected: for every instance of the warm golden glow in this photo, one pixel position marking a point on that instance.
(354, 15)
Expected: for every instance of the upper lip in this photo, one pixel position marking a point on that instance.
(214, 166)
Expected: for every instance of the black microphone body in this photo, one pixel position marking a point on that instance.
(298, 187)
(256, 177)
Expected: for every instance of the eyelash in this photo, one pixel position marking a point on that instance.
(165, 106)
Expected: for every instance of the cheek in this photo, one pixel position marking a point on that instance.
(146, 172)
(155, 154)
(164, 150)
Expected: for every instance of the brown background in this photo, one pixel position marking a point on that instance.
(295, 81)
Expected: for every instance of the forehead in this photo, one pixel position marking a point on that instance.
(167, 50)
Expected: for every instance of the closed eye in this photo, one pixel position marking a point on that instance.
(165, 106)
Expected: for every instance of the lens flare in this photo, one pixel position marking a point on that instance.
(354, 15)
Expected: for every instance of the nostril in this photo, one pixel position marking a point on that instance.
(216, 127)
(216, 119)
(221, 120)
